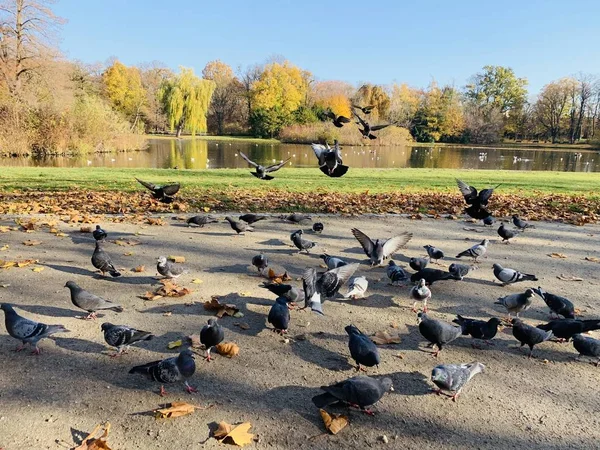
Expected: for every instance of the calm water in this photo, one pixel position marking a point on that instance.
(201, 154)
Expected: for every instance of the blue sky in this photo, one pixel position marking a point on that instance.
(400, 41)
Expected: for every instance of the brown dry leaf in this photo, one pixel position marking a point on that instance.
(167, 314)
(4, 229)
(384, 338)
(175, 409)
(85, 229)
(587, 258)
(126, 242)
(139, 269)
(194, 340)
(27, 226)
(155, 221)
(278, 278)
(24, 263)
(238, 435)
(59, 234)
(221, 309)
(562, 277)
(151, 296)
(557, 255)
(170, 289)
(333, 422)
(228, 349)
(242, 325)
(31, 242)
(177, 259)
(91, 443)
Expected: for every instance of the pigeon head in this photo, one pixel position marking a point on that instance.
(387, 384)
(516, 321)
(212, 322)
(529, 292)
(71, 285)
(229, 219)
(515, 216)
(324, 257)
(98, 227)
(6, 307)
(427, 247)
(106, 325)
(494, 321)
(421, 317)
(497, 267)
(485, 242)
(421, 283)
(187, 352)
(391, 263)
(351, 329)
(161, 260)
(282, 301)
(439, 375)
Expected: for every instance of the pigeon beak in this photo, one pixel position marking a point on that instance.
(391, 388)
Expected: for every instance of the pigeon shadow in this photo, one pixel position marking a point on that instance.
(371, 301)
(293, 398)
(272, 242)
(79, 345)
(329, 336)
(51, 311)
(320, 356)
(132, 280)
(70, 269)
(408, 383)
(483, 282)
(213, 233)
(234, 268)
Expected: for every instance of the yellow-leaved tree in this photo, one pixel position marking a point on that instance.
(333, 95)
(124, 89)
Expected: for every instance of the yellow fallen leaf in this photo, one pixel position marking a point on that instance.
(4, 247)
(333, 423)
(384, 338)
(175, 344)
(175, 409)
(4, 229)
(562, 277)
(92, 443)
(206, 209)
(242, 325)
(238, 436)
(61, 234)
(85, 229)
(177, 259)
(38, 269)
(197, 281)
(556, 255)
(228, 349)
(127, 242)
(587, 258)
(128, 254)
(31, 242)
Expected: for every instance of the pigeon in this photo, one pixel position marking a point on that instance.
(27, 331)
(279, 315)
(317, 227)
(90, 302)
(477, 251)
(164, 193)
(260, 262)
(558, 305)
(478, 329)
(526, 334)
(330, 160)
(396, 274)
(202, 220)
(167, 268)
(238, 227)
(460, 270)
(506, 234)
(520, 223)
(509, 276)
(333, 262)
(380, 249)
(211, 335)
(357, 288)
(434, 253)
(262, 172)
(432, 275)
(437, 332)
(472, 197)
(420, 293)
(516, 303)
(102, 262)
(290, 293)
(251, 218)
(478, 212)
(418, 263)
(170, 370)
(296, 218)
(565, 329)
(121, 336)
(324, 284)
(300, 243)
(365, 109)
(360, 392)
(99, 234)
(367, 129)
(362, 349)
(453, 377)
(338, 121)
(587, 346)
(488, 221)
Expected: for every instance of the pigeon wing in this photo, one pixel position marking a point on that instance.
(275, 167)
(147, 185)
(248, 160)
(396, 243)
(469, 192)
(364, 240)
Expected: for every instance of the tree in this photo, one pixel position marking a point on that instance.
(581, 93)
(186, 99)
(439, 115)
(404, 102)
(27, 35)
(248, 77)
(370, 94)
(552, 106)
(333, 95)
(497, 87)
(227, 93)
(124, 90)
(154, 75)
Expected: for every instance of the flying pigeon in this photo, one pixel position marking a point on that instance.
(296, 218)
(516, 303)
(202, 220)
(478, 212)
(418, 263)
(587, 346)
(211, 335)
(434, 253)
(260, 262)
(262, 172)
(520, 223)
(121, 336)
(526, 334)
(453, 377)
(362, 349)
(472, 197)
(238, 227)
(90, 302)
(432, 275)
(99, 233)
(338, 121)
(565, 329)
(290, 293)
(365, 109)
(324, 284)
(560, 306)
(488, 220)
(170, 370)
(330, 160)
(357, 288)
(167, 268)
(396, 274)
(300, 243)
(102, 262)
(333, 262)
(437, 332)
(317, 227)
(252, 218)
(506, 234)
(367, 129)
(380, 249)
(460, 270)
(477, 251)
(509, 276)
(358, 391)
(279, 315)
(420, 293)
(478, 329)
(27, 331)
(164, 193)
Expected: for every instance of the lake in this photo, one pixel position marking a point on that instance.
(202, 154)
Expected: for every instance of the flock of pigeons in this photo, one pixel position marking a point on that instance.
(317, 286)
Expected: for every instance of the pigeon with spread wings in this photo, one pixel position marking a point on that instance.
(262, 172)
(330, 159)
(338, 121)
(327, 284)
(367, 129)
(164, 193)
(380, 249)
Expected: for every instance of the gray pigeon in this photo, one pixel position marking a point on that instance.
(453, 377)
(333, 262)
(432, 275)
(290, 293)
(300, 243)
(558, 305)
(252, 218)
(420, 293)
(357, 288)
(279, 315)
(516, 303)
(506, 234)
(167, 268)
(263, 172)
(260, 262)
(324, 284)
(520, 223)
(170, 370)
(526, 334)
(380, 249)
(238, 227)
(359, 391)
(27, 331)
(121, 336)
(90, 302)
(396, 274)
(509, 276)
(201, 220)
(362, 349)
(418, 263)
(477, 251)
(587, 346)
(460, 270)
(212, 334)
(102, 262)
(437, 332)
(295, 217)
(434, 253)
(99, 234)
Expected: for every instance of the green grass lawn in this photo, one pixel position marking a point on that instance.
(299, 180)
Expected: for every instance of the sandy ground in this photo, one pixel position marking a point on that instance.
(47, 401)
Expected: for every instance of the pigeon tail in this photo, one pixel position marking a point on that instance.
(115, 273)
(323, 400)
(117, 308)
(591, 325)
(144, 369)
(528, 277)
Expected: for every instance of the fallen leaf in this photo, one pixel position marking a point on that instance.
(206, 209)
(177, 259)
(384, 338)
(557, 255)
(228, 349)
(151, 296)
(167, 314)
(92, 443)
(61, 234)
(155, 221)
(587, 258)
(24, 263)
(475, 230)
(175, 344)
(278, 278)
(128, 254)
(5, 285)
(197, 281)
(394, 325)
(85, 229)
(242, 325)
(128, 242)
(562, 277)
(4, 247)
(238, 435)
(221, 309)
(334, 423)
(139, 269)
(194, 340)
(38, 269)
(31, 243)
(28, 226)
(5, 229)
(175, 409)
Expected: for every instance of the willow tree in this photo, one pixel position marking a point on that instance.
(186, 99)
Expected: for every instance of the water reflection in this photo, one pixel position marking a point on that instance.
(201, 154)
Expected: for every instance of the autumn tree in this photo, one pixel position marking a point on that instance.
(186, 99)
(248, 77)
(553, 105)
(371, 94)
(227, 95)
(332, 95)
(154, 75)
(439, 115)
(498, 88)
(124, 90)
(582, 90)
(404, 103)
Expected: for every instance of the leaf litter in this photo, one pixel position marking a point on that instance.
(236, 435)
